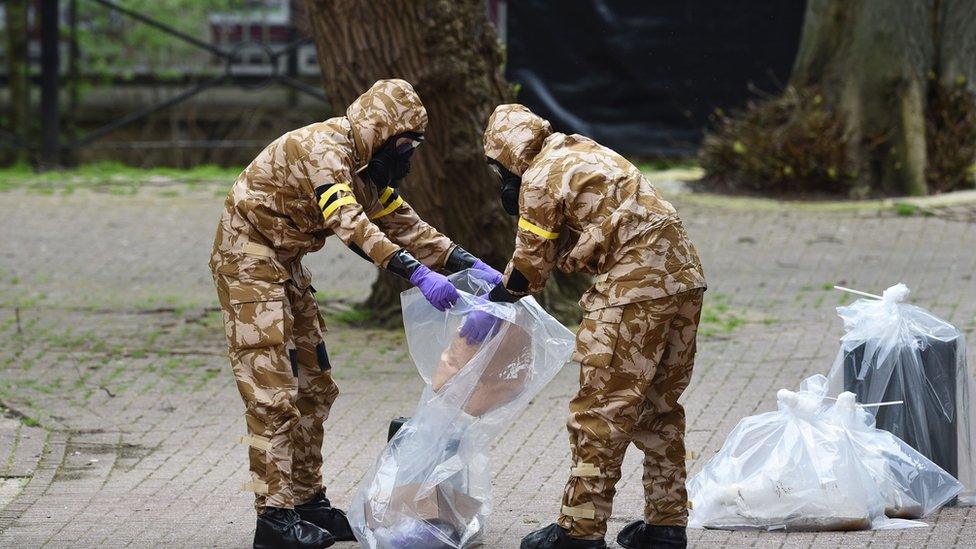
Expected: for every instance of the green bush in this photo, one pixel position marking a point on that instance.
(793, 142)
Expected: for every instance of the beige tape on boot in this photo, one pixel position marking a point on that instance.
(256, 441)
(585, 470)
(255, 486)
(585, 511)
(691, 455)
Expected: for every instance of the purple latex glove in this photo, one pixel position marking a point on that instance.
(493, 276)
(478, 326)
(436, 288)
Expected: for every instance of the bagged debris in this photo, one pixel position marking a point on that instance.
(814, 465)
(911, 485)
(894, 351)
(430, 487)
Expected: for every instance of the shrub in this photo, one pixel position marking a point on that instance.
(793, 142)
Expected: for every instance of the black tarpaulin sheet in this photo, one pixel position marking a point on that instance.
(642, 77)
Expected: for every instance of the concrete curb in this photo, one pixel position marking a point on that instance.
(44, 474)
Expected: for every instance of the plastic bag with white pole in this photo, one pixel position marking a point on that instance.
(430, 487)
(791, 470)
(910, 484)
(894, 351)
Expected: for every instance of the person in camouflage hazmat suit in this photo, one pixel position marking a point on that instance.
(584, 208)
(338, 177)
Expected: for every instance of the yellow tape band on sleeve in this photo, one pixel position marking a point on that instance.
(691, 455)
(255, 486)
(257, 442)
(586, 511)
(335, 205)
(331, 191)
(386, 194)
(535, 229)
(585, 470)
(389, 209)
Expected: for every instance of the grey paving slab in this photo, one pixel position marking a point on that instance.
(106, 340)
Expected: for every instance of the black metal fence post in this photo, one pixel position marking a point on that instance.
(50, 66)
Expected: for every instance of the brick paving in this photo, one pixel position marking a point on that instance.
(108, 340)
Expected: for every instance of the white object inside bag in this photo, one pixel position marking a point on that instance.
(815, 465)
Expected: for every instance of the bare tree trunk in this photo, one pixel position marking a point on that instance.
(16, 14)
(899, 76)
(871, 60)
(450, 53)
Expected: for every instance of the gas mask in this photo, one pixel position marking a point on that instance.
(391, 162)
(511, 184)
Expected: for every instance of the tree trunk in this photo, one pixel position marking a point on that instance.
(16, 15)
(899, 77)
(450, 53)
(871, 60)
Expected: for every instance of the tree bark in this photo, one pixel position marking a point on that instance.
(16, 15)
(871, 60)
(898, 77)
(450, 53)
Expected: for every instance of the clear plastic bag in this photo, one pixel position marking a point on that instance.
(787, 470)
(910, 484)
(894, 351)
(431, 485)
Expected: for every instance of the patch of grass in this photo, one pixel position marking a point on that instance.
(118, 177)
(357, 316)
(718, 317)
(906, 210)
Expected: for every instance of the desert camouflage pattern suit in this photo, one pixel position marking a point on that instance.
(302, 188)
(584, 208)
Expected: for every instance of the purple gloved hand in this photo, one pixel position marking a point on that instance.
(478, 326)
(436, 288)
(493, 276)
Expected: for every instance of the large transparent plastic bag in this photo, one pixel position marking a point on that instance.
(787, 470)
(430, 487)
(894, 351)
(910, 484)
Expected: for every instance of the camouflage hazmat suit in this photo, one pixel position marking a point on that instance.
(302, 188)
(584, 208)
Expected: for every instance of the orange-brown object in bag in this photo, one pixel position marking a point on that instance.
(502, 379)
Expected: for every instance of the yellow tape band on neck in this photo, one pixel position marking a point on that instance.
(331, 191)
(389, 209)
(386, 194)
(335, 205)
(535, 229)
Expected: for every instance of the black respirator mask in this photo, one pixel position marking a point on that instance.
(511, 184)
(391, 162)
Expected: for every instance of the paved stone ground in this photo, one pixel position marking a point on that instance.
(108, 341)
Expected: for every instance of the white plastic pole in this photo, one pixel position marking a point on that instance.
(857, 292)
(889, 403)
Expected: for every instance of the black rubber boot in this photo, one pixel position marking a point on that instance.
(641, 535)
(553, 536)
(319, 511)
(283, 529)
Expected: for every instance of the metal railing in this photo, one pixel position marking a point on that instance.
(52, 142)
